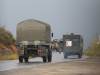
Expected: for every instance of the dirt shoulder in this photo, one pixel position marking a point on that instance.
(85, 67)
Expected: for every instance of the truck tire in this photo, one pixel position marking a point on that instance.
(65, 55)
(49, 58)
(79, 56)
(26, 60)
(20, 59)
(44, 59)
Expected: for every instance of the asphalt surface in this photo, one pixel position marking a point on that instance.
(34, 62)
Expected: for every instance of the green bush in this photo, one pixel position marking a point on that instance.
(6, 40)
(11, 56)
(94, 49)
(6, 37)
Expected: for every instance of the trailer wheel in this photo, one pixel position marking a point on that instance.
(44, 59)
(20, 59)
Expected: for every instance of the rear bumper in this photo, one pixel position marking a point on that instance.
(72, 51)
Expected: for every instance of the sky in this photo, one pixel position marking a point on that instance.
(64, 16)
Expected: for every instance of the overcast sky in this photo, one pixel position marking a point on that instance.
(64, 16)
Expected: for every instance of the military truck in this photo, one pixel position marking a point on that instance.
(33, 40)
(72, 45)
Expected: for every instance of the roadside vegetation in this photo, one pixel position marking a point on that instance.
(94, 49)
(7, 45)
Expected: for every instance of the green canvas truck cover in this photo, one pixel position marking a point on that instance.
(33, 30)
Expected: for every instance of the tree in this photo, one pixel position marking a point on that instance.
(6, 37)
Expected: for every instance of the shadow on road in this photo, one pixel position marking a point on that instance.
(31, 63)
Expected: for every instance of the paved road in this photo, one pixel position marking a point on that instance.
(13, 64)
(76, 67)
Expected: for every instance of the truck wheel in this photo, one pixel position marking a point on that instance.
(26, 60)
(44, 59)
(20, 59)
(65, 56)
(49, 58)
(79, 56)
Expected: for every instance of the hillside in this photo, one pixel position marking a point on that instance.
(7, 44)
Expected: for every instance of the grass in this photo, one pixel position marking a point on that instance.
(93, 50)
(92, 53)
(11, 56)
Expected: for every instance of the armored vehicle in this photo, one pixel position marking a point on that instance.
(72, 45)
(33, 40)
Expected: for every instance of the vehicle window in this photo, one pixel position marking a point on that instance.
(68, 43)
